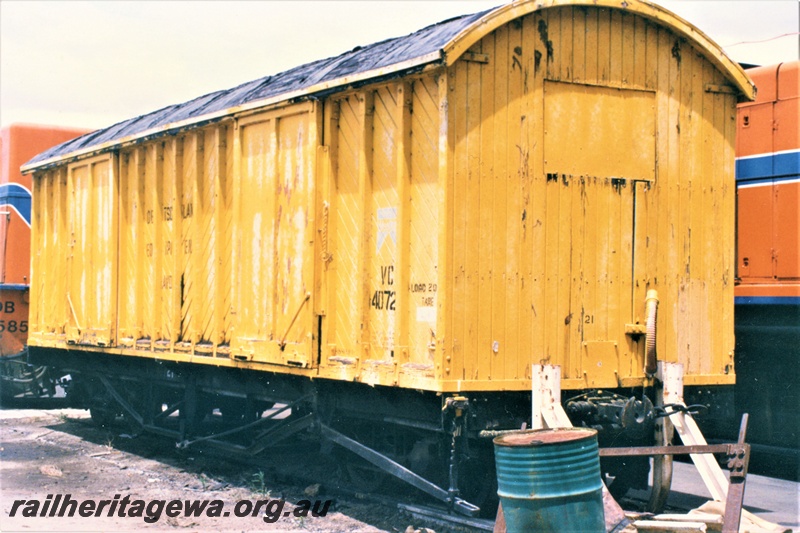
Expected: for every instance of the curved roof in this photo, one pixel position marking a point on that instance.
(440, 44)
(495, 18)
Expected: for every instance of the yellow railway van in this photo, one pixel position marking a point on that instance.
(395, 236)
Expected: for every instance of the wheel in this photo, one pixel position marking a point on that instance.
(478, 483)
(621, 474)
(19, 379)
(103, 409)
(102, 416)
(662, 468)
(358, 471)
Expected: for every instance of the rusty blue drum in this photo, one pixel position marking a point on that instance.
(549, 480)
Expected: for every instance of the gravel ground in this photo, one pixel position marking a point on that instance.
(62, 452)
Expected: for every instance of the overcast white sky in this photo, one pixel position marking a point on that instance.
(94, 63)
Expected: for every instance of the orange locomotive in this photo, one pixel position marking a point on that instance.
(18, 143)
(767, 292)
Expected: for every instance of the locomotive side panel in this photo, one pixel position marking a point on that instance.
(554, 247)
(18, 143)
(768, 188)
(768, 274)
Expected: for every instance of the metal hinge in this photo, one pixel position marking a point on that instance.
(477, 58)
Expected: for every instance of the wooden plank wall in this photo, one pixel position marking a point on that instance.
(522, 249)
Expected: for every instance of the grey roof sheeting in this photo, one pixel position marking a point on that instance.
(380, 55)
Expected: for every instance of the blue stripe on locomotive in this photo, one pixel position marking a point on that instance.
(18, 197)
(767, 300)
(777, 166)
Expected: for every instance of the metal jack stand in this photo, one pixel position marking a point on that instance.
(695, 445)
(671, 375)
(738, 458)
(548, 413)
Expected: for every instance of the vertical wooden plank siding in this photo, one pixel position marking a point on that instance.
(382, 272)
(45, 214)
(225, 222)
(274, 217)
(598, 251)
(441, 231)
(383, 223)
(447, 278)
(401, 114)
(425, 195)
(505, 264)
(184, 211)
(487, 255)
(457, 217)
(346, 230)
(164, 254)
(257, 224)
(474, 307)
(131, 168)
(532, 298)
(92, 251)
(207, 238)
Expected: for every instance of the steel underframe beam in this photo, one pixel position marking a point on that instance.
(268, 438)
(132, 411)
(399, 471)
(262, 441)
(288, 428)
(239, 429)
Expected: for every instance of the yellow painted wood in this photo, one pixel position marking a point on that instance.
(91, 265)
(347, 229)
(424, 201)
(48, 309)
(443, 231)
(189, 281)
(445, 295)
(275, 237)
(221, 161)
(132, 247)
(383, 222)
(647, 10)
(606, 240)
(402, 118)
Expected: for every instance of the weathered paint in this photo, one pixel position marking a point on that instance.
(18, 143)
(439, 44)
(549, 480)
(443, 231)
(768, 180)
